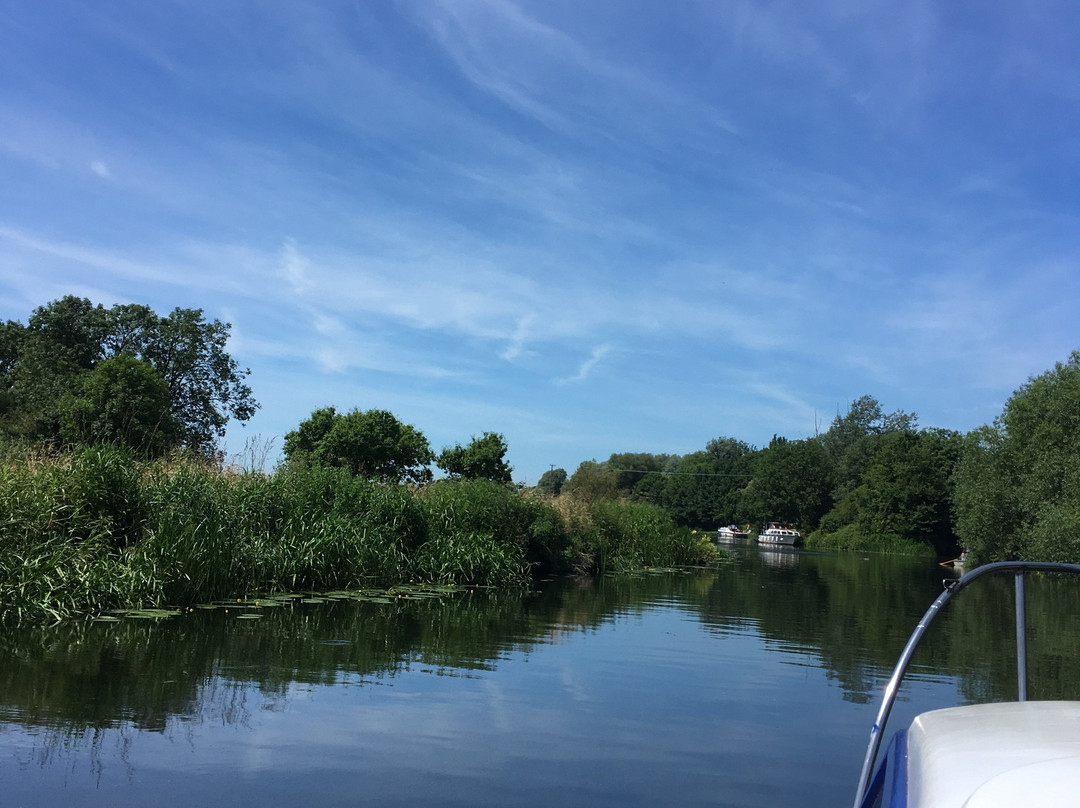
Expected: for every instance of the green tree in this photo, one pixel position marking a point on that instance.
(632, 467)
(592, 481)
(907, 490)
(854, 437)
(791, 483)
(552, 482)
(372, 444)
(11, 335)
(206, 385)
(64, 341)
(60, 344)
(693, 493)
(482, 459)
(123, 400)
(1018, 484)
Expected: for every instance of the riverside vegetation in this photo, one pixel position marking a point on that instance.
(97, 528)
(113, 494)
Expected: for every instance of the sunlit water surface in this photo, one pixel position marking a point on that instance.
(751, 684)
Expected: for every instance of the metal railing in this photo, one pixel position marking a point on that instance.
(952, 587)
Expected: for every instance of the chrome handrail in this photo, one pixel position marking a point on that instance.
(951, 588)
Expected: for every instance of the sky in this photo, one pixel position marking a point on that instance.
(593, 227)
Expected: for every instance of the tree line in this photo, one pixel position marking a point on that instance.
(876, 480)
(77, 374)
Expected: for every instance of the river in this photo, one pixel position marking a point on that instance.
(753, 683)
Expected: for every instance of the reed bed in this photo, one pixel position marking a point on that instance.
(98, 529)
(849, 539)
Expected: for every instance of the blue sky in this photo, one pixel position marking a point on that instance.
(594, 227)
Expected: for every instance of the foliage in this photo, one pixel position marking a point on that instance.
(632, 467)
(1018, 484)
(50, 359)
(124, 401)
(705, 488)
(853, 438)
(791, 483)
(482, 459)
(593, 481)
(489, 533)
(371, 444)
(551, 482)
(905, 492)
(623, 536)
(851, 538)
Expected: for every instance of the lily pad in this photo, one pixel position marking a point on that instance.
(152, 614)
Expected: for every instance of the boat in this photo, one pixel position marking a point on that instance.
(957, 563)
(732, 533)
(778, 533)
(977, 755)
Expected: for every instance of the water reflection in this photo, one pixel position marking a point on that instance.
(771, 648)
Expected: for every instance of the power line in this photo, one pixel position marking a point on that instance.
(685, 473)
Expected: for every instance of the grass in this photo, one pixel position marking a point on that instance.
(848, 538)
(97, 529)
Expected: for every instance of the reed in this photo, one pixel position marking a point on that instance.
(99, 529)
(483, 532)
(620, 536)
(849, 539)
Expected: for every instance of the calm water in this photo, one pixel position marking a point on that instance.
(751, 684)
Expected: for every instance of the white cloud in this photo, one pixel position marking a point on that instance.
(586, 367)
(98, 167)
(294, 267)
(517, 341)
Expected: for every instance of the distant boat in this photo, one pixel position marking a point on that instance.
(957, 563)
(778, 533)
(732, 533)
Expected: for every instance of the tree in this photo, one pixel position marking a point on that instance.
(632, 467)
(693, 493)
(11, 334)
(372, 444)
(853, 439)
(206, 386)
(593, 481)
(551, 482)
(907, 490)
(123, 400)
(482, 459)
(791, 483)
(61, 343)
(64, 341)
(1018, 484)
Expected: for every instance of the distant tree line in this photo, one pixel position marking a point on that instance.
(876, 480)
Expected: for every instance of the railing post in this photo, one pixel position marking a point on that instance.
(1021, 639)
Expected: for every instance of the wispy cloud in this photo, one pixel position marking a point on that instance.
(517, 342)
(294, 267)
(586, 367)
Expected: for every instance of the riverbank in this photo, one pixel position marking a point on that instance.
(97, 529)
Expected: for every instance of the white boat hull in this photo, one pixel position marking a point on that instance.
(995, 755)
(776, 533)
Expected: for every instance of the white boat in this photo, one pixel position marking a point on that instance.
(732, 533)
(778, 533)
(979, 755)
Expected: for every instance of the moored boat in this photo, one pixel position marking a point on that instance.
(778, 533)
(732, 533)
(977, 755)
